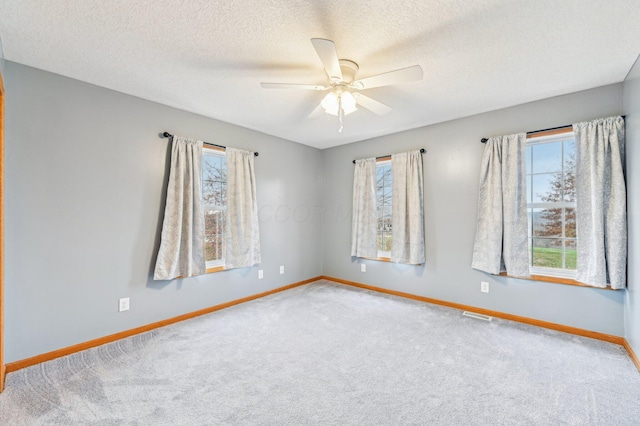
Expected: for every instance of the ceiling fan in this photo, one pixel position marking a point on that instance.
(344, 90)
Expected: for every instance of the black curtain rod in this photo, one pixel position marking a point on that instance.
(169, 135)
(484, 140)
(422, 151)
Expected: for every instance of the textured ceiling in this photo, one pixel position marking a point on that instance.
(209, 57)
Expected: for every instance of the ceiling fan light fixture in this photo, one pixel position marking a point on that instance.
(348, 102)
(331, 103)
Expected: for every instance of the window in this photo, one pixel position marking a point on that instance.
(388, 209)
(214, 197)
(384, 198)
(551, 204)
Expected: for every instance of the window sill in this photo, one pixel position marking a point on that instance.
(208, 271)
(216, 269)
(379, 259)
(555, 280)
(388, 260)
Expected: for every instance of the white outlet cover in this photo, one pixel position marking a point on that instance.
(363, 267)
(260, 274)
(123, 304)
(282, 269)
(484, 286)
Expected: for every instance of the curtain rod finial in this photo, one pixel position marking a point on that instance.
(166, 135)
(484, 140)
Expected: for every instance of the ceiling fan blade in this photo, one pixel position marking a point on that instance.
(328, 54)
(404, 75)
(317, 112)
(371, 104)
(292, 86)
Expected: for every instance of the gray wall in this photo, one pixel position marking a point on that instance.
(1, 57)
(452, 165)
(85, 181)
(632, 109)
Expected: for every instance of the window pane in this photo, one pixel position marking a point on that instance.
(386, 245)
(570, 155)
(214, 234)
(547, 252)
(208, 180)
(571, 254)
(213, 248)
(379, 186)
(547, 187)
(570, 223)
(570, 171)
(547, 222)
(214, 180)
(384, 241)
(529, 223)
(529, 189)
(570, 187)
(223, 192)
(547, 158)
(387, 177)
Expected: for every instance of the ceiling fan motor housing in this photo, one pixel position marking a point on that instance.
(349, 70)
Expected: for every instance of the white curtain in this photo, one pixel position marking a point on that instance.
(501, 233)
(242, 237)
(181, 251)
(601, 220)
(407, 223)
(364, 225)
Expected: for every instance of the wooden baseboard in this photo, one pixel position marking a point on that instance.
(632, 354)
(17, 365)
(3, 370)
(538, 323)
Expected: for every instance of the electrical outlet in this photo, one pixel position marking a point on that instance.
(260, 274)
(282, 269)
(363, 267)
(123, 304)
(484, 286)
